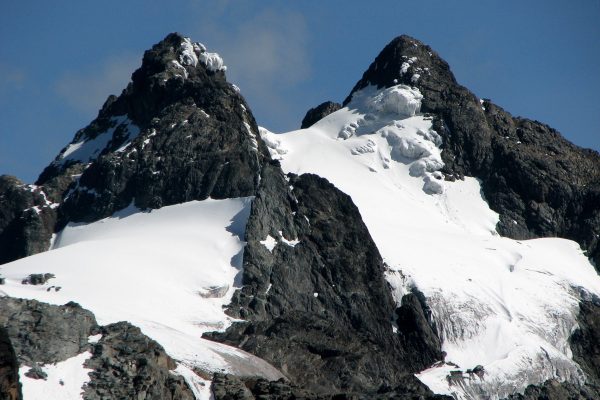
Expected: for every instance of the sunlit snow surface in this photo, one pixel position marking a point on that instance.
(64, 380)
(89, 149)
(505, 304)
(150, 268)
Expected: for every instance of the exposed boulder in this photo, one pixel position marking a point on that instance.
(37, 279)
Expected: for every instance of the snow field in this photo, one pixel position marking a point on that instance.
(153, 269)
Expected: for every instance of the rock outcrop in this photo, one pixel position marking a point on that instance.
(319, 112)
(318, 297)
(129, 365)
(180, 132)
(44, 333)
(10, 388)
(27, 217)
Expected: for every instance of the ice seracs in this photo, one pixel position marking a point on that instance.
(505, 305)
(190, 53)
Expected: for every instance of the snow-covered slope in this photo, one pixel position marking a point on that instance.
(168, 271)
(507, 305)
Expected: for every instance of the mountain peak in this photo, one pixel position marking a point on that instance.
(405, 60)
(161, 129)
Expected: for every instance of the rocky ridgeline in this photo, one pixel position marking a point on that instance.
(178, 132)
(126, 364)
(314, 300)
(540, 184)
(319, 298)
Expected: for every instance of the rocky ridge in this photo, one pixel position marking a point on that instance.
(314, 291)
(540, 184)
(317, 295)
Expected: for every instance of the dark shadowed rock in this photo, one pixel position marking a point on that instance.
(37, 279)
(539, 183)
(319, 112)
(228, 387)
(320, 298)
(10, 388)
(555, 390)
(197, 139)
(27, 217)
(585, 342)
(415, 329)
(36, 372)
(44, 333)
(129, 365)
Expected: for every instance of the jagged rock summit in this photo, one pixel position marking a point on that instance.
(540, 184)
(196, 255)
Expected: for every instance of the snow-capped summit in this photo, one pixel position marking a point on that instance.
(412, 242)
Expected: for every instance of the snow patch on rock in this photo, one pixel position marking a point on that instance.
(64, 379)
(88, 149)
(273, 143)
(187, 54)
(270, 242)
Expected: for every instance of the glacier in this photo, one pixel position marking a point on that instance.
(507, 305)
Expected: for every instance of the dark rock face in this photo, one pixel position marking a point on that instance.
(129, 365)
(319, 112)
(126, 363)
(26, 219)
(44, 333)
(539, 183)
(415, 330)
(10, 388)
(554, 390)
(324, 301)
(585, 342)
(197, 138)
(227, 387)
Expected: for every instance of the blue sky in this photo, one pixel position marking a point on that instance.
(60, 60)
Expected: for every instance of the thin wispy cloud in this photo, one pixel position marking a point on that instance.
(266, 55)
(11, 77)
(86, 90)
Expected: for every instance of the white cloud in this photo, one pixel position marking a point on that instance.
(86, 90)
